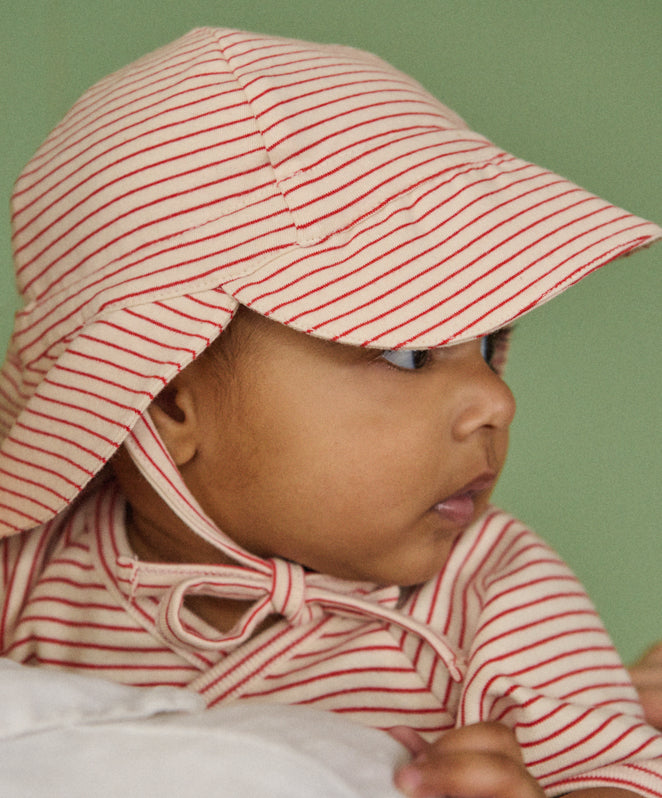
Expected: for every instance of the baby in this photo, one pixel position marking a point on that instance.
(253, 413)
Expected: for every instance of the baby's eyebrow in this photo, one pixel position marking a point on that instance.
(502, 334)
(507, 328)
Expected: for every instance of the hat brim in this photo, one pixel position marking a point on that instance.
(448, 262)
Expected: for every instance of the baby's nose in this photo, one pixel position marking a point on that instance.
(486, 402)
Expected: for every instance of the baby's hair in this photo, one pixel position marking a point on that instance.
(236, 340)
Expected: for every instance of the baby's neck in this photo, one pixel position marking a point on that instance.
(168, 543)
(223, 614)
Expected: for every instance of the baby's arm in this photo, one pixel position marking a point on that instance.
(483, 760)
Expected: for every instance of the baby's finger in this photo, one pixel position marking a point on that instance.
(485, 737)
(411, 739)
(651, 701)
(467, 775)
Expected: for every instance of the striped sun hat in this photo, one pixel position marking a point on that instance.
(315, 184)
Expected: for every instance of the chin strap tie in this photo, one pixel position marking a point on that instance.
(268, 587)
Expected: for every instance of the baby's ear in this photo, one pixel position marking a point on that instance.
(173, 414)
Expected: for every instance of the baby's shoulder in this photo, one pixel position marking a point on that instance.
(498, 545)
(496, 560)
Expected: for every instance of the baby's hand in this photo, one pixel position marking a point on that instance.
(479, 761)
(647, 677)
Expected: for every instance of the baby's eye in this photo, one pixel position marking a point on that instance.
(487, 348)
(408, 359)
(490, 343)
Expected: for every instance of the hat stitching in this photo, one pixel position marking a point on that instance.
(388, 211)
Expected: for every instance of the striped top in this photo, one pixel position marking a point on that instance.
(524, 644)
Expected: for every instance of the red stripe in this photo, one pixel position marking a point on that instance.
(46, 432)
(595, 755)
(566, 654)
(115, 347)
(36, 483)
(400, 116)
(67, 142)
(363, 86)
(80, 605)
(237, 667)
(77, 664)
(430, 308)
(125, 300)
(69, 624)
(12, 570)
(369, 232)
(338, 674)
(23, 512)
(582, 270)
(87, 646)
(98, 96)
(139, 211)
(105, 380)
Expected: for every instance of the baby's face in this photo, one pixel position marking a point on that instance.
(349, 462)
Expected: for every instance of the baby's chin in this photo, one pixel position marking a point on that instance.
(402, 573)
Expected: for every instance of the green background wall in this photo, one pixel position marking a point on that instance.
(571, 84)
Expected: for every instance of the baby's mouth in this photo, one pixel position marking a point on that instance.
(460, 507)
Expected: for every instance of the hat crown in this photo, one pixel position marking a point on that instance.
(208, 124)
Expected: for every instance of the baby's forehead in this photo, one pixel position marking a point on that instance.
(251, 337)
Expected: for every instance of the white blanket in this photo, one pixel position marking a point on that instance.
(69, 736)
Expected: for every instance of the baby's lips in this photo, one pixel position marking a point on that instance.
(458, 509)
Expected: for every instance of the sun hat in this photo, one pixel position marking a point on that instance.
(315, 184)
